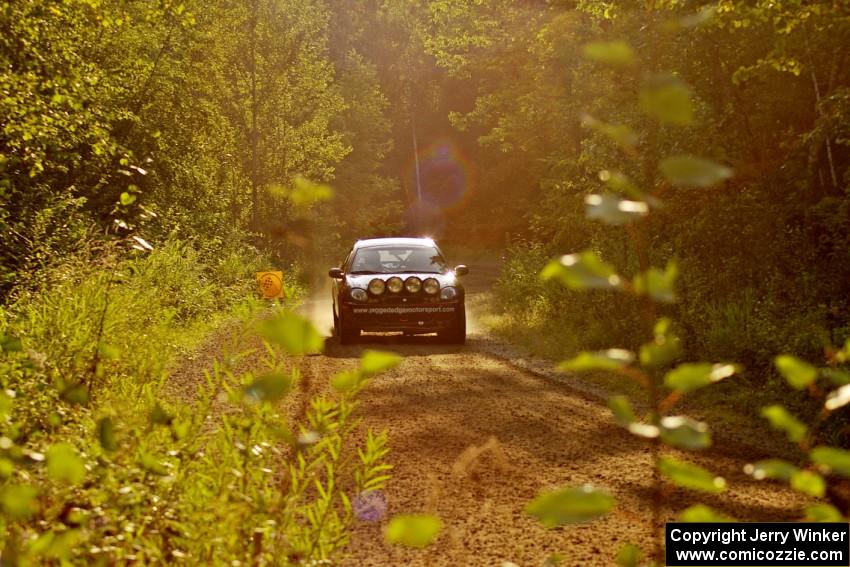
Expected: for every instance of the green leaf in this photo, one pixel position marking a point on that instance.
(664, 349)
(809, 483)
(668, 100)
(703, 513)
(610, 359)
(582, 271)
(629, 555)
(658, 284)
(620, 134)
(797, 373)
(19, 501)
(832, 459)
(836, 376)
(781, 420)
(645, 430)
(293, 333)
(614, 53)
(823, 513)
(613, 210)
(621, 184)
(413, 530)
(268, 387)
(838, 398)
(570, 506)
(127, 199)
(685, 433)
(10, 343)
(345, 381)
(771, 468)
(690, 171)
(688, 475)
(376, 361)
(692, 376)
(106, 434)
(622, 410)
(64, 464)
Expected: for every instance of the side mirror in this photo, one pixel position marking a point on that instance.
(461, 270)
(335, 273)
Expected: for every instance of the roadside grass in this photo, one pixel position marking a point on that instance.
(101, 465)
(83, 358)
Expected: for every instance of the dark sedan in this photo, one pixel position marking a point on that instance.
(398, 285)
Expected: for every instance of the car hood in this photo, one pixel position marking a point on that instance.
(362, 280)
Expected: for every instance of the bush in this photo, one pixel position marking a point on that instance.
(98, 465)
(551, 319)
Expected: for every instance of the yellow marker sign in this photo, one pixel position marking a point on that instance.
(270, 284)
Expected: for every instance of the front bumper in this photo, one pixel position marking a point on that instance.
(395, 317)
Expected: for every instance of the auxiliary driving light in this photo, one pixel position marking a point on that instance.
(413, 284)
(431, 286)
(395, 284)
(448, 293)
(377, 286)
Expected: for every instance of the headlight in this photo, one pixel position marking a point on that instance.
(413, 284)
(431, 286)
(395, 284)
(448, 293)
(377, 286)
(358, 294)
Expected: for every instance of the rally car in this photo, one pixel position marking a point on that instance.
(398, 285)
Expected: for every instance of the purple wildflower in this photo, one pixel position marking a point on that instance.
(370, 506)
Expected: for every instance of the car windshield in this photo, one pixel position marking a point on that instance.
(397, 260)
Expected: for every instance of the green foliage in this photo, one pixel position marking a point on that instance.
(292, 333)
(413, 530)
(582, 271)
(688, 475)
(570, 506)
(668, 100)
(703, 513)
(188, 476)
(685, 433)
(832, 459)
(616, 53)
(610, 359)
(629, 555)
(692, 171)
(784, 421)
(692, 376)
(797, 373)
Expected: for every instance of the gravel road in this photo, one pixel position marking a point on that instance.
(475, 437)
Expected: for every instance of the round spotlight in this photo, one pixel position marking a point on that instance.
(431, 286)
(395, 284)
(413, 284)
(377, 286)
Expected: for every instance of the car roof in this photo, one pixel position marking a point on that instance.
(370, 242)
